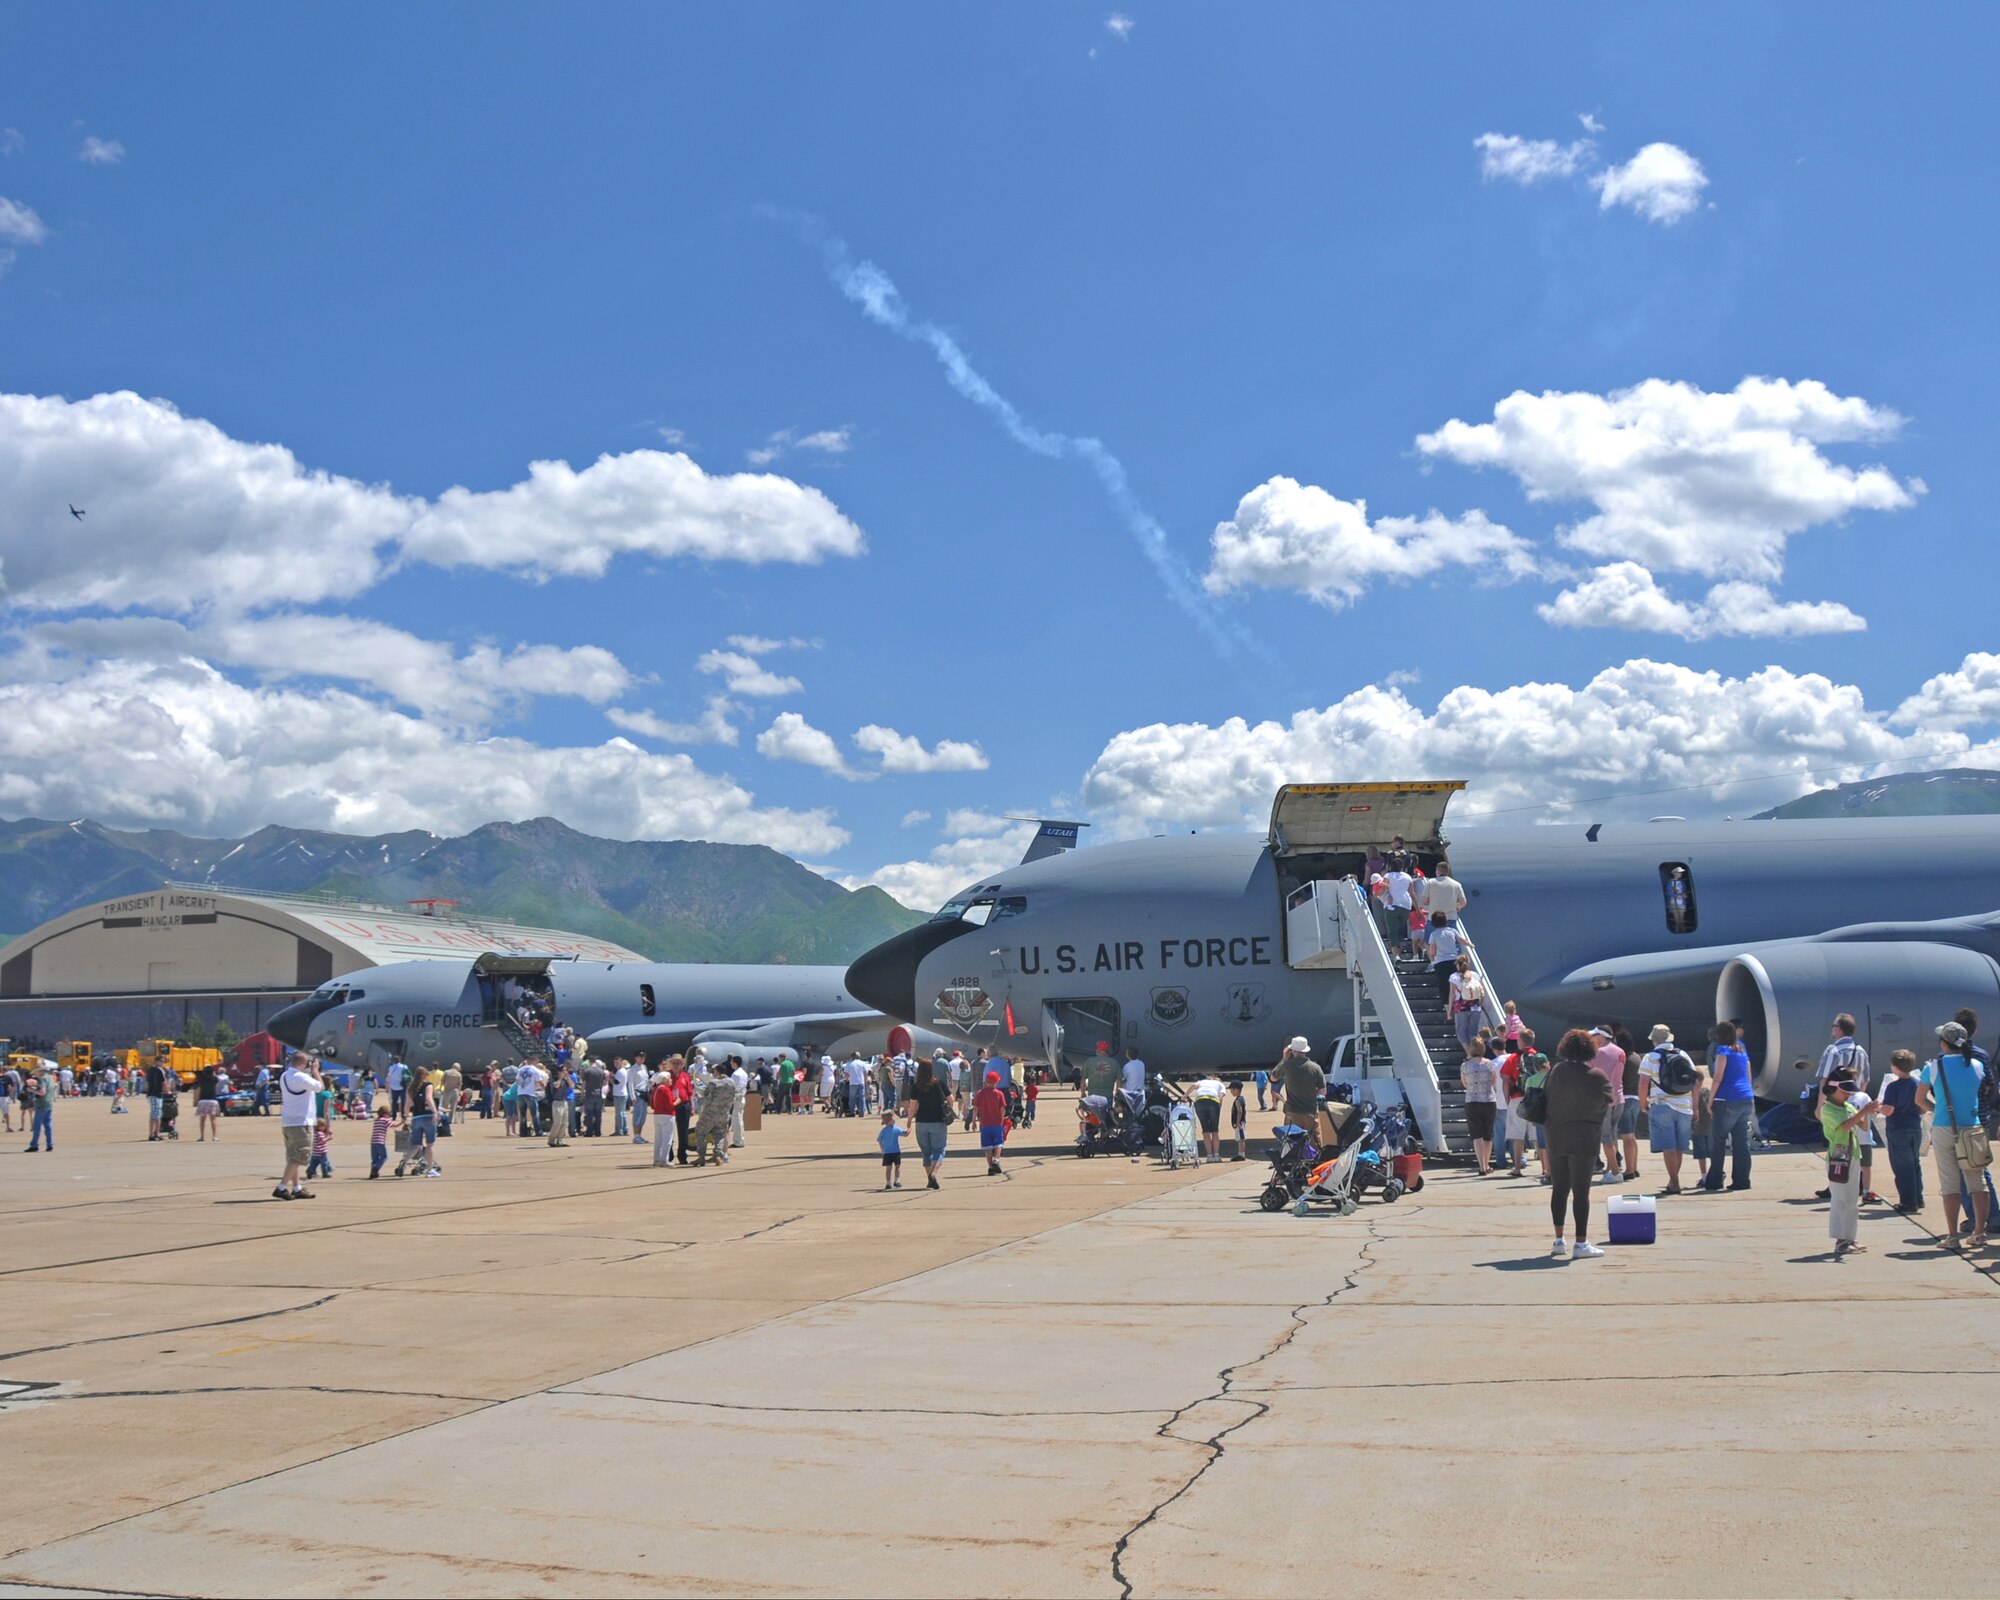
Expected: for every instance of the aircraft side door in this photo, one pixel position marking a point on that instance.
(1052, 1041)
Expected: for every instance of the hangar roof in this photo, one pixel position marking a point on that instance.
(190, 938)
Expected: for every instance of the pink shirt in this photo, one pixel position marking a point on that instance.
(1610, 1061)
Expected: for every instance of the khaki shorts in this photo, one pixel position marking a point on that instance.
(298, 1146)
(1950, 1170)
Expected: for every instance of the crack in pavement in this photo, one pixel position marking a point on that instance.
(154, 1333)
(1632, 1377)
(1225, 1382)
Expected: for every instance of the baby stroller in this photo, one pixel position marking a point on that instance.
(1182, 1146)
(1384, 1135)
(1291, 1165)
(1105, 1125)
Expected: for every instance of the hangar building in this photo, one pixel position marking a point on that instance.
(143, 966)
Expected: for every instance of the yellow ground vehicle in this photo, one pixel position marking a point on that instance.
(74, 1054)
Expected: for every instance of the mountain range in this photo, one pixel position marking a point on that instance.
(670, 900)
(1955, 792)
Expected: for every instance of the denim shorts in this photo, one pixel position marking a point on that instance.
(1628, 1115)
(423, 1129)
(931, 1140)
(1668, 1129)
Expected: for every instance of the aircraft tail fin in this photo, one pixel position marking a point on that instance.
(1052, 838)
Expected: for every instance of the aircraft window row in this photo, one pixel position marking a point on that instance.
(1677, 889)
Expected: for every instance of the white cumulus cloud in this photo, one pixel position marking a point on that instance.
(902, 752)
(1119, 24)
(1683, 480)
(182, 516)
(1663, 183)
(1547, 747)
(19, 224)
(912, 818)
(926, 882)
(101, 152)
(1528, 161)
(1289, 535)
(1625, 595)
(791, 738)
(712, 727)
(745, 674)
(1968, 695)
(178, 744)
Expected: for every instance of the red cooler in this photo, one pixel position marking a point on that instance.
(1410, 1168)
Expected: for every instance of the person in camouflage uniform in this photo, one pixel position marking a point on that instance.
(718, 1105)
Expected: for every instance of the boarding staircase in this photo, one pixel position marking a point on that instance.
(525, 1045)
(1402, 1029)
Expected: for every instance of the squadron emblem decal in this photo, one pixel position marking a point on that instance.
(1246, 1004)
(1170, 1006)
(963, 1004)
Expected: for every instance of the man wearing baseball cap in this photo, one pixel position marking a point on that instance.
(1301, 1083)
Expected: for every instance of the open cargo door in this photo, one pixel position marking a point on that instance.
(1342, 818)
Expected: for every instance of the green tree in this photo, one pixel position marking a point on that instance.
(223, 1037)
(195, 1034)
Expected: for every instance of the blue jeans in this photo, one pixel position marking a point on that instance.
(44, 1129)
(931, 1141)
(378, 1157)
(639, 1110)
(1906, 1162)
(1732, 1121)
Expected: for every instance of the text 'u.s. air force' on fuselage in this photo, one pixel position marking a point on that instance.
(1178, 945)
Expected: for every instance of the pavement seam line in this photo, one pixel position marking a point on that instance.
(186, 1327)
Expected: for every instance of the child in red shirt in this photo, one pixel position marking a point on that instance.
(991, 1107)
(1032, 1092)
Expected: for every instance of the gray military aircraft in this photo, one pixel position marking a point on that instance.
(1182, 946)
(432, 1013)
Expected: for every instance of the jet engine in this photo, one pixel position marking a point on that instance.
(1788, 993)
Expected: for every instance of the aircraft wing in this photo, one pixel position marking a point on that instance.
(810, 1031)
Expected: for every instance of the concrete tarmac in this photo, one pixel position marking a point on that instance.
(567, 1372)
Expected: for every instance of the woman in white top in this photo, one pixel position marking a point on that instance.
(1465, 999)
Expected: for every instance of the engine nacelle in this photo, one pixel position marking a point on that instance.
(1897, 990)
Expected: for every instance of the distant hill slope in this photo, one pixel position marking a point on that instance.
(676, 900)
(1957, 792)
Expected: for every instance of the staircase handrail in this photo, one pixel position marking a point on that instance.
(1489, 1006)
(1361, 940)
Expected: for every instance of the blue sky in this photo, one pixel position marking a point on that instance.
(1259, 255)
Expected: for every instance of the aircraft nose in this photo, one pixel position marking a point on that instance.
(289, 1025)
(886, 977)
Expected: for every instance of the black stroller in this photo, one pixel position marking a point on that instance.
(1106, 1125)
(1299, 1152)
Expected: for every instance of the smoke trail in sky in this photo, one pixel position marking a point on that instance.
(870, 288)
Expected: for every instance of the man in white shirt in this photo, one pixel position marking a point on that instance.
(1396, 906)
(1444, 893)
(621, 1095)
(298, 1115)
(740, 1076)
(1847, 1055)
(398, 1074)
(529, 1081)
(857, 1085)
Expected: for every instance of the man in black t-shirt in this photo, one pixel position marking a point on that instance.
(156, 1088)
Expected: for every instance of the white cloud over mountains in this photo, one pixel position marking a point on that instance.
(791, 738)
(1289, 535)
(902, 752)
(1967, 696)
(1625, 595)
(1641, 726)
(179, 744)
(182, 516)
(1683, 480)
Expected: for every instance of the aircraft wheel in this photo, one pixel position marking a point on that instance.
(1274, 1198)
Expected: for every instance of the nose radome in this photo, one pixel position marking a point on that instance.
(289, 1025)
(886, 977)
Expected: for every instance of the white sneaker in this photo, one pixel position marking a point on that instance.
(1585, 1250)
(1560, 1250)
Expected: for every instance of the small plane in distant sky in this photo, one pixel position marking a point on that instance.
(76, 513)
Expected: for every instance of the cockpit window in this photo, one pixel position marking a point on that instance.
(951, 911)
(980, 909)
(1011, 905)
(353, 995)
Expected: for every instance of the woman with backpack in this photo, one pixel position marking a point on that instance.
(1467, 1000)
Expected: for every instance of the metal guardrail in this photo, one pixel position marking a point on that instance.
(1368, 956)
